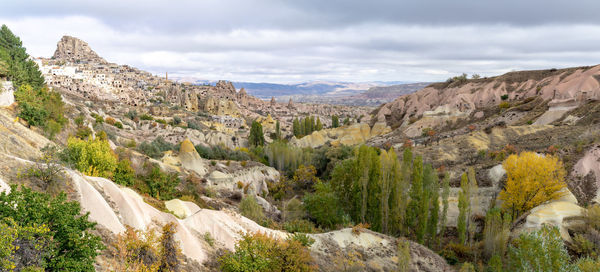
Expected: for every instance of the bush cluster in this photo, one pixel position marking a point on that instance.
(38, 231)
(251, 209)
(136, 250)
(260, 252)
(306, 126)
(92, 157)
(220, 152)
(157, 183)
(156, 148)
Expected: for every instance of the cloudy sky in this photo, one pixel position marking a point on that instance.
(305, 40)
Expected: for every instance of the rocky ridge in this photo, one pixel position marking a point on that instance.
(564, 88)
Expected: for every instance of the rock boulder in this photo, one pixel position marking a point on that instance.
(378, 252)
(190, 159)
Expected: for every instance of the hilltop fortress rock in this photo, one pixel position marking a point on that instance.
(75, 50)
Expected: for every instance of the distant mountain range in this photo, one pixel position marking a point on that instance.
(345, 93)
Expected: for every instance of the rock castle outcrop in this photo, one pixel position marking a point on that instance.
(75, 50)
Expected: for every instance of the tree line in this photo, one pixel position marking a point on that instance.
(38, 105)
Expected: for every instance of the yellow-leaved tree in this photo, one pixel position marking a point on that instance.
(532, 179)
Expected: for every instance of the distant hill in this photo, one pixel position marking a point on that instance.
(373, 96)
(267, 90)
(392, 92)
(344, 93)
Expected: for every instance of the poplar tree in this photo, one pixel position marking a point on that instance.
(363, 168)
(296, 127)
(347, 121)
(302, 128)
(402, 188)
(473, 203)
(256, 137)
(319, 125)
(496, 233)
(277, 131)
(445, 195)
(424, 203)
(344, 183)
(463, 208)
(416, 194)
(389, 164)
(374, 190)
(335, 121)
(434, 212)
(306, 126)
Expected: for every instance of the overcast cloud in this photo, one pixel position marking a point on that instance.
(293, 41)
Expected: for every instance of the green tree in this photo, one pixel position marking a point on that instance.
(335, 121)
(424, 203)
(256, 137)
(124, 173)
(323, 206)
(416, 195)
(260, 252)
(390, 169)
(162, 185)
(286, 158)
(347, 121)
(156, 148)
(542, 250)
(344, 184)
(302, 128)
(495, 264)
(319, 125)
(296, 127)
(277, 131)
(496, 233)
(31, 109)
(37, 104)
(20, 69)
(368, 169)
(445, 195)
(251, 209)
(92, 157)
(41, 107)
(72, 247)
(473, 203)
(307, 126)
(400, 193)
(374, 190)
(463, 208)
(434, 208)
